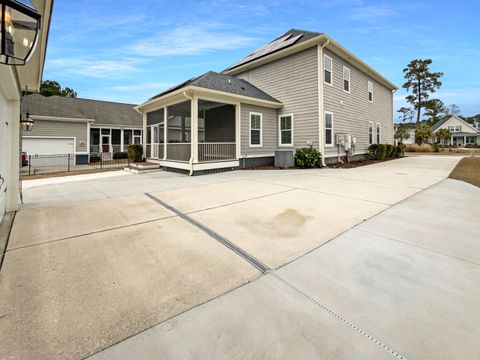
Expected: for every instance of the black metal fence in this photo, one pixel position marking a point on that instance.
(54, 163)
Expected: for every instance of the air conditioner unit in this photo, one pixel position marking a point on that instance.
(284, 158)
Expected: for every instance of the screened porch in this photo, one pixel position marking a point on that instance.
(171, 135)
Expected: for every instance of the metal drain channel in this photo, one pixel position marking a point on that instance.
(252, 260)
(347, 322)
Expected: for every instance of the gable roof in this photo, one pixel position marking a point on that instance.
(103, 112)
(294, 41)
(220, 82)
(291, 37)
(446, 119)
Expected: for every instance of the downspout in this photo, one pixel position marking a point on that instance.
(321, 131)
(191, 116)
(393, 119)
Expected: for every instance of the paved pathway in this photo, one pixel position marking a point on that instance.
(344, 273)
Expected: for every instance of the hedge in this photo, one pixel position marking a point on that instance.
(384, 151)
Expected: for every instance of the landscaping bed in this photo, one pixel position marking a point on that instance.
(468, 170)
(352, 164)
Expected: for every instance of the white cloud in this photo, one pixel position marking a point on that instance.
(371, 13)
(93, 68)
(191, 39)
(160, 86)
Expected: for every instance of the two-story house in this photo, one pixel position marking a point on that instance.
(302, 89)
(462, 133)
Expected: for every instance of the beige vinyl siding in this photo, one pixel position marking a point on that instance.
(454, 121)
(352, 111)
(269, 130)
(62, 129)
(293, 80)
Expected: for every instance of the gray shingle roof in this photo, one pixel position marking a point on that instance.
(271, 48)
(229, 84)
(440, 123)
(103, 112)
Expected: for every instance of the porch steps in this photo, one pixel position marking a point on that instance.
(142, 168)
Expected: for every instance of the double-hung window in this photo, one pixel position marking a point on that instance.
(328, 68)
(370, 132)
(328, 128)
(255, 129)
(346, 79)
(286, 130)
(378, 133)
(370, 91)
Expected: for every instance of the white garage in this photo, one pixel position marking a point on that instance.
(49, 151)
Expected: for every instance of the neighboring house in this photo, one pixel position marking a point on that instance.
(14, 80)
(302, 89)
(476, 124)
(411, 137)
(79, 126)
(463, 134)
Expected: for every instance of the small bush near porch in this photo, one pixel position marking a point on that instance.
(135, 152)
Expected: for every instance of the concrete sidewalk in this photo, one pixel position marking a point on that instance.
(377, 291)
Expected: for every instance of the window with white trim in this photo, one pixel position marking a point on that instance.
(286, 130)
(370, 91)
(378, 133)
(346, 79)
(327, 66)
(255, 129)
(328, 128)
(455, 128)
(370, 132)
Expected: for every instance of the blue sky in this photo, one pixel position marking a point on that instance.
(129, 50)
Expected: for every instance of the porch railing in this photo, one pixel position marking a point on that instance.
(179, 151)
(216, 151)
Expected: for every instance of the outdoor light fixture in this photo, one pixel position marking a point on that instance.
(20, 23)
(26, 122)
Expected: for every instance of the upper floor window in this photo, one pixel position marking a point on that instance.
(370, 91)
(346, 79)
(378, 133)
(286, 130)
(370, 132)
(328, 128)
(455, 128)
(328, 66)
(255, 129)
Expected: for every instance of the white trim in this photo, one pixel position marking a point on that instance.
(370, 86)
(238, 130)
(368, 137)
(378, 133)
(325, 127)
(250, 129)
(331, 70)
(58, 118)
(349, 82)
(280, 130)
(112, 126)
(248, 156)
(197, 166)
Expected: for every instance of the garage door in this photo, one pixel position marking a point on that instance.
(48, 146)
(48, 151)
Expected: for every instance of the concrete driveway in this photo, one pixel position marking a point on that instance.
(247, 264)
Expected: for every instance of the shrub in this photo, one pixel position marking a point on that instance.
(390, 150)
(94, 158)
(307, 158)
(398, 152)
(418, 148)
(135, 152)
(377, 152)
(120, 155)
(435, 147)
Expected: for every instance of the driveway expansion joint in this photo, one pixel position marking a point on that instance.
(227, 243)
(349, 323)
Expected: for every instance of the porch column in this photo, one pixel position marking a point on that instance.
(464, 140)
(237, 131)
(144, 134)
(194, 128)
(121, 141)
(451, 140)
(165, 132)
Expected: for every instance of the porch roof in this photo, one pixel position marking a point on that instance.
(462, 134)
(224, 83)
